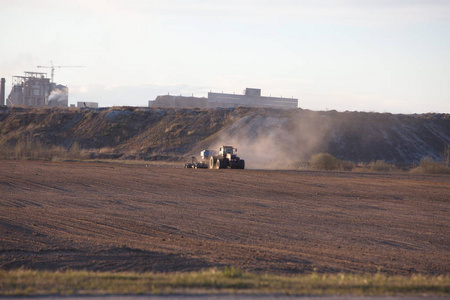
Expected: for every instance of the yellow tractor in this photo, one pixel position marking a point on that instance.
(226, 159)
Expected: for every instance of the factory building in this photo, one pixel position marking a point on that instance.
(178, 101)
(250, 98)
(35, 89)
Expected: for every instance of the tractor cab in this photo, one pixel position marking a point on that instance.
(224, 151)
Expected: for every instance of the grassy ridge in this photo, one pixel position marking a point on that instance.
(228, 280)
(172, 133)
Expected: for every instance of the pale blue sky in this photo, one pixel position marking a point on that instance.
(384, 56)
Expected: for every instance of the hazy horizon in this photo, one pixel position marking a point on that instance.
(381, 56)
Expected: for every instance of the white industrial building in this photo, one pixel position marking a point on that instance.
(250, 98)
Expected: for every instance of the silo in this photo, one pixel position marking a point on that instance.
(2, 92)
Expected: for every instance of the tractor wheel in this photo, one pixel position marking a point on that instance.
(212, 162)
(241, 164)
(226, 163)
(219, 164)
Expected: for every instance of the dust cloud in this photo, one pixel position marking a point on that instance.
(283, 141)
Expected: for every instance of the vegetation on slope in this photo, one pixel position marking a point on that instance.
(266, 138)
(429, 166)
(326, 161)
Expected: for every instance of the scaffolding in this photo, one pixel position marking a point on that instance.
(35, 89)
(32, 89)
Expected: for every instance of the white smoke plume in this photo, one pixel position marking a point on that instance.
(59, 96)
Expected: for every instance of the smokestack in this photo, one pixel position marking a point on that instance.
(2, 92)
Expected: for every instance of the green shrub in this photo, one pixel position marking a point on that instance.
(429, 166)
(380, 166)
(345, 165)
(323, 161)
(326, 161)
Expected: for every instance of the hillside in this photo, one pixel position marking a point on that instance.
(266, 138)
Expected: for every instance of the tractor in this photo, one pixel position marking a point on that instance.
(210, 159)
(226, 159)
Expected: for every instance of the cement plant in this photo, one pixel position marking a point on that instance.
(35, 89)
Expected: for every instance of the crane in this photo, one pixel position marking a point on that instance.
(53, 67)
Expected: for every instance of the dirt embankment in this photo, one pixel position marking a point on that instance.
(266, 138)
(117, 217)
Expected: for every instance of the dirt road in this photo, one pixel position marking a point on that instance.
(123, 217)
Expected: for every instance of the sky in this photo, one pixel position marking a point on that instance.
(356, 55)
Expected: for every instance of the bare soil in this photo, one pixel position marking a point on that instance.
(137, 217)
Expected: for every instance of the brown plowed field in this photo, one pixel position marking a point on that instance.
(123, 217)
